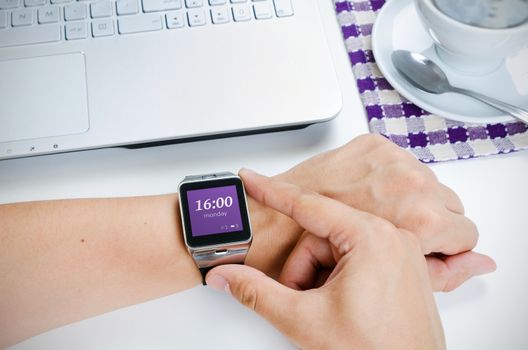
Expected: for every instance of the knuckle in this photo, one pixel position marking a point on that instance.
(428, 223)
(371, 140)
(437, 221)
(407, 178)
(455, 202)
(416, 179)
(264, 194)
(396, 154)
(383, 228)
(298, 202)
(474, 234)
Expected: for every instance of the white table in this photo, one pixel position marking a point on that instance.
(489, 312)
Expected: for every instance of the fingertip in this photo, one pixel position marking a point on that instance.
(225, 271)
(220, 276)
(487, 265)
(245, 172)
(217, 282)
(481, 264)
(233, 272)
(250, 178)
(494, 264)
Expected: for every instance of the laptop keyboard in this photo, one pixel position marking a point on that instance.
(26, 22)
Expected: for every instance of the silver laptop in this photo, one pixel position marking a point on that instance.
(97, 73)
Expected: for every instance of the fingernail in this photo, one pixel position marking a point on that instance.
(218, 283)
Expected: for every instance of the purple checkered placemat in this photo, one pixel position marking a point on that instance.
(429, 137)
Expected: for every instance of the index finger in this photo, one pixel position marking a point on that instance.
(324, 217)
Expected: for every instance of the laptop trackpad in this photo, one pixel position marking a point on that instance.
(42, 97)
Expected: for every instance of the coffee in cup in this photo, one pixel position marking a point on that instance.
(475, 36)
(495, 14)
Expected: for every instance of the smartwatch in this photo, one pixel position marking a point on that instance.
(215, 219)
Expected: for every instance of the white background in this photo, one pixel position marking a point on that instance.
(489, 312)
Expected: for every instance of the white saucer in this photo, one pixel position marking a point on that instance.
(398, 27)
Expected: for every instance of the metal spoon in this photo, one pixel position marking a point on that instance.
(426, 75)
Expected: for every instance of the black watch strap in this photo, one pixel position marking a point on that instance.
(204, 271)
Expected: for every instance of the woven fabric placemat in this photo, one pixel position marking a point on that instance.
(429, 137)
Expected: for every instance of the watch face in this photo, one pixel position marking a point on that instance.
(214, 212)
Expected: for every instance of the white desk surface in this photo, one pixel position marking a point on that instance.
(488, 312)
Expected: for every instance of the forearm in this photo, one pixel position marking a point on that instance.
(63, 261)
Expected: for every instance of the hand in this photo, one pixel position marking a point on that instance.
(372, 174)
(378, 294)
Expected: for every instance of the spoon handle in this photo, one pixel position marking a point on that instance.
(515, 111)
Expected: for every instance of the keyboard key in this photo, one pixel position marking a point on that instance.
(238, 1)
(48, 14)
(76, 30)
(137, 24)
(102, 27)
(193, 3)
(161, 5)
(3, 19)
(22, 17)
(31, 3)
(127, 7)
(31, 35)
(283, 8)
(175, 19)
(241, 13)
(9, 4)
(217, 2)
(101, 9)
(220, 15)
(75, 11)
(60, 1)
(196, 18)
(262, 10)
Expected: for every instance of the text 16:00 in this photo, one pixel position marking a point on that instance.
(218, 203)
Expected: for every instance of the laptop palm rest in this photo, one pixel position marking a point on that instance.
(42, 97)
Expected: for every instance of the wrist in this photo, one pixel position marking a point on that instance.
(160, 245)
(274, 235)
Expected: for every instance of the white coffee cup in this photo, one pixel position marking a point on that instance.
(469, 48)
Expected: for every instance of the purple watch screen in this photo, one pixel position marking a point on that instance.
(214, 210)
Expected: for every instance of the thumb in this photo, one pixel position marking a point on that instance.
(449, 272)
(267, 297)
